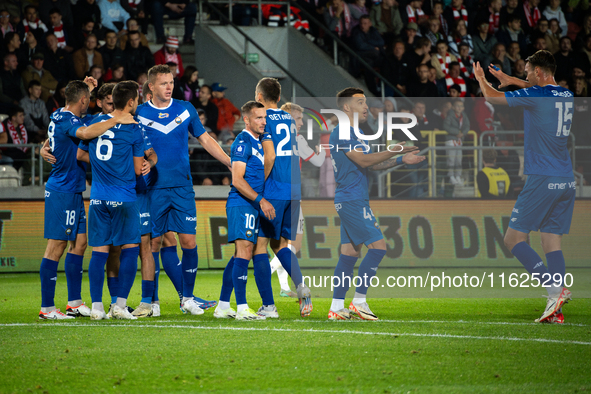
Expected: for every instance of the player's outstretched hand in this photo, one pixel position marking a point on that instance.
(146, 167)
(478, 71)
(91, 82)
(267, 209)
(412, 158)
(406, 149)
(503, 78)
(124, 118)
(45, 153)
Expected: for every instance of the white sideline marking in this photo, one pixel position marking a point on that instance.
(447, 322)
(269, 329)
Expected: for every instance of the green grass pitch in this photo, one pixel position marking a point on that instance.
(419, 345)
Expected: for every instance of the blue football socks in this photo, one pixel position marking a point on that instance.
(290, 263)
(368, 268)
(227, 282)
(172, 267)
(262, 276)
(239, 278)
(189, 263)
(96, 275)
(48, 275)
(73, 268)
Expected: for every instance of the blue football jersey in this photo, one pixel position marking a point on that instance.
(68, 175)
(284, 181)
(168, 129)
(352, 180)
(548, 114)
(111, 159)
(248, 149)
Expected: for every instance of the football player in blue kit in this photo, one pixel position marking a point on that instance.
(547, 201)
(243, 207)
(65, 217)
(352, 159)
(167, 122)
(116, 157)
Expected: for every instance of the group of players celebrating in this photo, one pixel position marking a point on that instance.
(142, 194)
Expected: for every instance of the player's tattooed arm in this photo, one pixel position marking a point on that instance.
(238, 181)
(409, 158)
(96, 129)
(269, 153)
(151, 157)
(45, 153)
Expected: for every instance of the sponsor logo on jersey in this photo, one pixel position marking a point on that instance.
(47, 194)
(562, 94)
(249, 233)
(145, 223)
(95, 202)
(162, 116)
(562, 185)
(515, 210)
(114, 204)
(191, 219)
(178, 120)
(240, 149)
(144, 215)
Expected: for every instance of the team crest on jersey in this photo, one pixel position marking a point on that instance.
(162, 116)
(178, 120)
(260, 146)
(75, 120)
(240, 150)
(249, 233)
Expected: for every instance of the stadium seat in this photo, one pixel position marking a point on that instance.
(9, 177)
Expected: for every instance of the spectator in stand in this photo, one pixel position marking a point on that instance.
(587, 48)
(420, 55)
(30, 48)
(433, 33)
(64, 7)
(117, 73)
(580, 87)
(543, 30)
(62, 33)
(386, 18)
(459, 34)
(455, 91)
(483, 41)
(113, 16)
(455, 12)
(177, 92)
(466, 62)
(483, 117)
(514, 52)
(86, 29)
(375, 107)
(141, 80)
(36, 116)
(358, 9)
(566, 59)
(228, 114)
(58, 99)
(511, 8)
(97, 73)
(414, 13)
(539, 44)
(136, 10)
(12, 44)
(439, 83)
(439, 114)
(12, 89)
(585, 31)
(423, 87)
(36, 72)
(170, 53)
(337, 18)
(410, 36)
(369, 44)
(491, 14)
(87, 56)
(189, 83)
(519, 71)
(111, 52)
(203, 101)
(5, 25)
(87, 11)
(554, 11)
(132, 25)
(457, 126)
(31, 24)
(17, 134)
(499, 54)
(512, 33)
(138, 57)
(531, 14)
(438, 13)
(442, 60)
(396, 70)
(454, 78)
(555, 33)
(493, 181)
(175, 9)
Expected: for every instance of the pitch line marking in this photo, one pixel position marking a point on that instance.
(270, 329)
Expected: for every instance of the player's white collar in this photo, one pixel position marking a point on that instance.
(160, 109)
(274, 109)
(252, 135)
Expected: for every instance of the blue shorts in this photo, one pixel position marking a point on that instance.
(358, 224)
(143, 206)
(65, 216)
(243, 223)
(113, 223)
(173, 209)
(546, 203)
(285, 223)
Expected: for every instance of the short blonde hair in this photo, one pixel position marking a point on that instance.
(288, 107)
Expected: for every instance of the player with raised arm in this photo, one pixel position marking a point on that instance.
(541, 206)
(117, 158)
(305, 153)
(65, 216)
(172, 198)
(243, 209)
(352, 158)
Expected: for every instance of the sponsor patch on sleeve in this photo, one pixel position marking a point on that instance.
(240, 149)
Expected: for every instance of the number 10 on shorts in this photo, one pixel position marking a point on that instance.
(250, 221)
